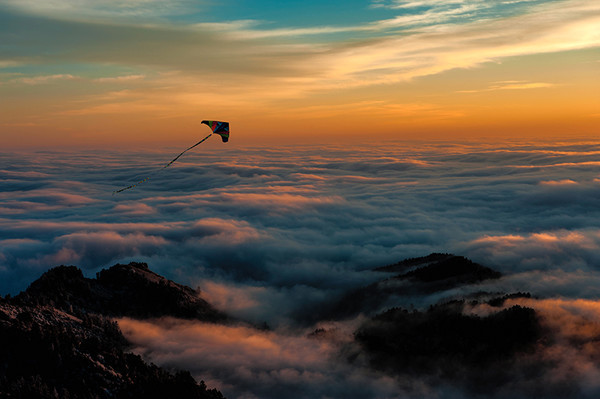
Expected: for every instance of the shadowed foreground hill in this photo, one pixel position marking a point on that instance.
(500, 355)
(58, 341)
(445, 339)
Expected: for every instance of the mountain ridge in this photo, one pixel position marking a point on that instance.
(65, 344)
(131, 290)
(435, 272)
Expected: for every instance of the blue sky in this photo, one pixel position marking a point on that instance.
(54, 28)
(275, 14)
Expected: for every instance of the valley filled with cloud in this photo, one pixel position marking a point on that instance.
(272, 234)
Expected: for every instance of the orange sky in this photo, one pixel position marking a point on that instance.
(466, 70)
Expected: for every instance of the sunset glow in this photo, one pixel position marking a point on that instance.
(115, 72)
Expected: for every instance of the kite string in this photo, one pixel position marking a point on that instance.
(167, 165)
(177, 157)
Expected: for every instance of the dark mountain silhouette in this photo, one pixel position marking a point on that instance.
(500, 300)
(416, 340)
(408, 263)
(123, 290)
(458, 268)
(59, 339)
(450, 272)
(446, 343)
(424, 275)
(59, 342)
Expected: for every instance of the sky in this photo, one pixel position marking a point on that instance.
(362, 133)
(139, 72)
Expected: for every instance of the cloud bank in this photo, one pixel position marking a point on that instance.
(267, 233)
(302, 220)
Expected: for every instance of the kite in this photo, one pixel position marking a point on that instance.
(221, 128)
(217, 127)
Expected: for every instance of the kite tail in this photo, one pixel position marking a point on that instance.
(166, 166)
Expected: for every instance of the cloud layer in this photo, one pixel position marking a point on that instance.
(249, 363)
(269, 232)
(293, 217)
(245, 362)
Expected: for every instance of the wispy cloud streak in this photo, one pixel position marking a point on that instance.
(320, 63)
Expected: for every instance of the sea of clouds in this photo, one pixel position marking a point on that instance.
(267, 232)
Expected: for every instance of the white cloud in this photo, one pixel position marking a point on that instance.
(297, 61)
(9, 63)
(395, 4)
(563, 26)
(36, 80)
(103, 9)
(512, 85)
(430, 17)
(117, 79)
